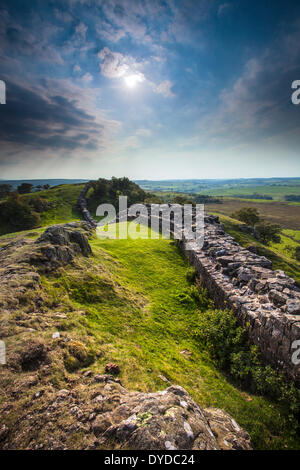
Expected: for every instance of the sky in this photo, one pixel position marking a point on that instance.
(149, 89)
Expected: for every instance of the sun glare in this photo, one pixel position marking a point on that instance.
(132, 80)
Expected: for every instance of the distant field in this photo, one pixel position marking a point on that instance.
(284, 214)
(51, 182)
(277, 188)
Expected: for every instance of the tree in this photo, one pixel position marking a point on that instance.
(17, 214)
(268, 232)
(25, 188)
(5, 189)
(46, 186)
(297, 253)
(248, 215)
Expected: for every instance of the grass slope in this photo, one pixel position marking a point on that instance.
(139, 314)
(62, 205)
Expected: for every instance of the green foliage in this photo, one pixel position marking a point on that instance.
(108, 191)
(25, 188)
(5, 189)
(77, 356)
(17, 214)
(268, 232)
(248, 215)
(191, 274)
(38, 204)
(228, 345)
(182, 200)
(292, 197)
(297, 253)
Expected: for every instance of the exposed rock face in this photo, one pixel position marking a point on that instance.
(167, 420)
(108, 416)
(22, 260)
(59, 243)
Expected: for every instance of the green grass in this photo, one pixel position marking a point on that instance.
(277, 189)
(140, 313)
(62, 206)
(63, 200)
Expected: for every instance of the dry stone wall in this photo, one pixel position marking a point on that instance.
(265, 301)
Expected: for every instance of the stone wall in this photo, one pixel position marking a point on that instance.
(265, 301)
(82, 205)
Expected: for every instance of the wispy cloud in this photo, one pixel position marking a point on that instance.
(164, 88)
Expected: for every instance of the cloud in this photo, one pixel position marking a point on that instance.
(257, 107)
(81, 30)
(164, 88)
(116, 65)
(144, 132)
(19, 41)
(86, 78)
(113, 63)
(48, 117)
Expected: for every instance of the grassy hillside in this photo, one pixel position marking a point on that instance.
(60, 206)
(139, 312)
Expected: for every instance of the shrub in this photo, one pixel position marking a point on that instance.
(297, 253)
(228, 344)
(25, 188)
(17, 214)
(248, 215)
(268, 232)
(191, 275)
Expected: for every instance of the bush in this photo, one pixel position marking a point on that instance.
(228, 344)
(25, 188)
(297, 253)
(17, 214)
(248, 215)
(268, 232)
(191, 275)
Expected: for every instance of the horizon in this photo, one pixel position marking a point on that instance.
(149, 88)
(158, 180)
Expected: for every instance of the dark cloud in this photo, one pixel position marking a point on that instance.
(34, 119)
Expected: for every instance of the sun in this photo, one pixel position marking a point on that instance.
(132, 80)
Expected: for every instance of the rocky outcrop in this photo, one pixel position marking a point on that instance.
(59, 243)
(166, 420)
(107, 416)
(23, 260)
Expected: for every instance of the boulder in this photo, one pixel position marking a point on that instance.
(167, 420)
